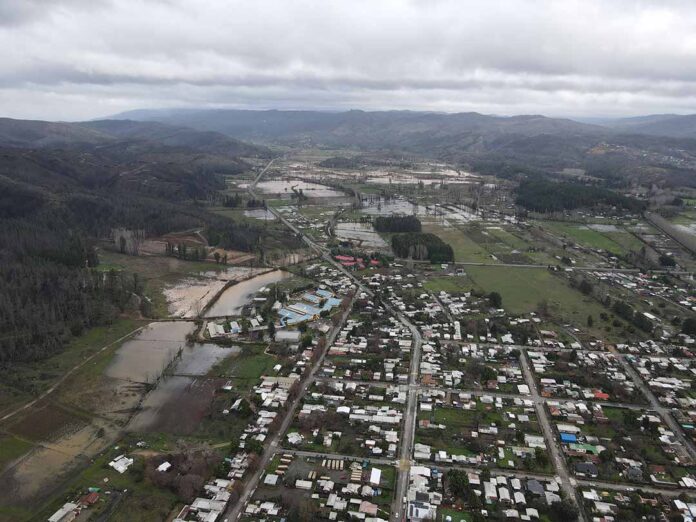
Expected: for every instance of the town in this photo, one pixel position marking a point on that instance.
(501, 367)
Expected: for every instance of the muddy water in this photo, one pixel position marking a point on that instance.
(360, 232)
(380, 207)
(284, 187)
(235, 297)
(198, 359)
(178, 402)
(188, 297)
(143, 358)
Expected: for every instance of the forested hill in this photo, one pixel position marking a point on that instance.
(649, 152)
(58, 195)
(399, 130)
(177, 136)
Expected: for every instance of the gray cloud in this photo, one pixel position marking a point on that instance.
(73, 59)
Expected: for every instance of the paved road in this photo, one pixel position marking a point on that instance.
(409, 423)
(258, 178)
(655, 404)
(530, 265)
(556, 455)
(670, 492)
(482, 393)
(234, 511)
(335, 456)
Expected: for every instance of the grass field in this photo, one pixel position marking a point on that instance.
(12, 448)
(522, 289)
(455, 516)
(450, 284)
(465, 248)
(32, 379)
(246, 368)
(618, 241)
(143, 501)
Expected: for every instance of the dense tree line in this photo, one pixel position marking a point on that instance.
(547, 196)
(49, 291)
(237, 201)
(397, 224)
(53, 205)
(422, 246)
(638, 318)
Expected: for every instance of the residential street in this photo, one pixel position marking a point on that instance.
(556, 455)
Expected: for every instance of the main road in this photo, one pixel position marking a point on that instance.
(410, 415)
(234, 511)
(556, 456)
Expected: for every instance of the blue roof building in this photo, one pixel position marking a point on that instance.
(568, 437)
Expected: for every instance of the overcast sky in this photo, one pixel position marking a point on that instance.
(79, 59)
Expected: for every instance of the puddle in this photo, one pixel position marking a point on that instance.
(603, 228)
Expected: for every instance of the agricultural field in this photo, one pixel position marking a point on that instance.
(523, 289)
(613, 238)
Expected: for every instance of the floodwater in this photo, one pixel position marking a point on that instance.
(187, 298)
(382, 207)
(361, 233)
(436, 175)
(235, 297)
(689, 229)
(199, 358)
(448, 215)
(179, 402)
(285, 186)
(143, 358)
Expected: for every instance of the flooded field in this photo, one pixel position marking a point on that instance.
(177, 406)
(199, 358)
(38, 470)
(382, 207)
(361, 233)
(235, 297)
(689, 229)
(188, 297)
(181, 401)
(285, 187)
(143, 358)
(411, 179)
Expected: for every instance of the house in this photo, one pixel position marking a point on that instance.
(67, 513)
(586, 469)
(535, 487)
(568, 437)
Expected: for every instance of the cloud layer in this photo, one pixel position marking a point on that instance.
(73, 59)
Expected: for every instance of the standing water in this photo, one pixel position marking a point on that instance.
(235, 297)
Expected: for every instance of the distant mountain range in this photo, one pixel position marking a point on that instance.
(649, 149)
(671, 125)
(44, 134)
(396, 130)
